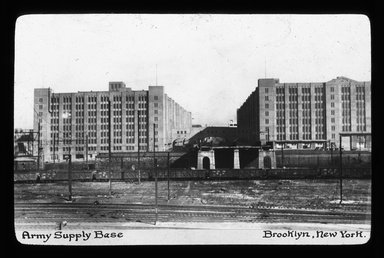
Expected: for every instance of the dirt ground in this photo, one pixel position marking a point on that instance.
(314, 194)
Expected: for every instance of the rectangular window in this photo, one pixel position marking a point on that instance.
(156, 97)
(40, 100)
(156, 104)
(266, 98)
(266, 121)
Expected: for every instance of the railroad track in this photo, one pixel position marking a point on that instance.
(78, 212)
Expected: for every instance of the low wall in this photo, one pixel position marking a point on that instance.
(186, 174)
(305, 158)
(248, 160)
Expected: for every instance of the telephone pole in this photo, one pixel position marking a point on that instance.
(138, 144)
(341, 170)
(109, 146)
(168, 174)
(155, 170)
(86, 150)
(54, 148)
(70, 174)
(38, 147)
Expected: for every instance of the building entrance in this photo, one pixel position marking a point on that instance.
(206, 163)
(267, 162)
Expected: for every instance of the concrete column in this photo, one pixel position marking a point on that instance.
(212, 160)
(236, 159)
(261, 159)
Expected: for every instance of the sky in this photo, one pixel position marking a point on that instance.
(209, 64)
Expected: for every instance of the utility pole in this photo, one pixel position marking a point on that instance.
(33, 143)
(54, 148)
(341, 171)
(155, 170)
(168, 174)
(38, 147)
(138, 144)
(86, 150)
(70, 174)
(109, 146)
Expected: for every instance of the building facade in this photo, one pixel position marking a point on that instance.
(307, 115)
(77, 123)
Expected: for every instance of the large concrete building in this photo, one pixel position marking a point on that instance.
(308, 115)
(77, 123)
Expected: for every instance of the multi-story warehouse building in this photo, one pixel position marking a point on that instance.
(307, 115)
(77, 123)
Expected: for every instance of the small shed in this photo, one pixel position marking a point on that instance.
(24, 163)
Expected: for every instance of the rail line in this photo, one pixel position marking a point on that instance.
(77, 212)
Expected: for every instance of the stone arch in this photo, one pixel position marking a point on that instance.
(267, 159)
(267, 162)
(206, 163)
(210, 154)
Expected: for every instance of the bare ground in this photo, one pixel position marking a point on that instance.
(314, 194)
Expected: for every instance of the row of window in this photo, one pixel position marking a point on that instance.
(345, 89)
(67, 100)
(91, 106)
(361, 128)
(360, 90)
(67, 106)
(346, 128)
(345, 97)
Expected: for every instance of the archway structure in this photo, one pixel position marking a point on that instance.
(267, 159)
(210, 154)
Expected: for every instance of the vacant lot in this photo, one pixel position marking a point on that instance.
(314, 194)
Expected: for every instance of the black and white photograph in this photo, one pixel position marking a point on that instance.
(192, 129)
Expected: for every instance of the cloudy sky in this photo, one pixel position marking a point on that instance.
(208, 63)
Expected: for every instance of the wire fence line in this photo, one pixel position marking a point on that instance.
(186, 174)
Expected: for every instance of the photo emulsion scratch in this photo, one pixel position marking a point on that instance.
(159, 129)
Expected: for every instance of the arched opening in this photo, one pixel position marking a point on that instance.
(267, 162)
(206, 163)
